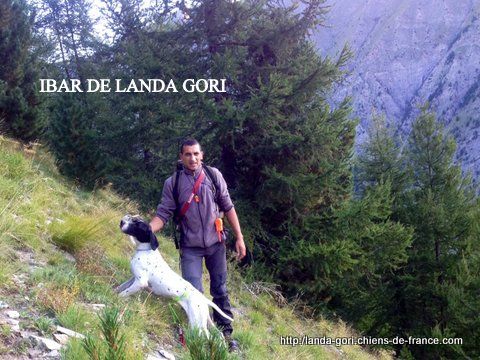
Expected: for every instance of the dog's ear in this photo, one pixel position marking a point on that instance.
(153, 241)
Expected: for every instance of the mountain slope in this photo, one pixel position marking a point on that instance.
(61, 254)
(407, 52)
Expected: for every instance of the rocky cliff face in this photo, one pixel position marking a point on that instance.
(407, 52)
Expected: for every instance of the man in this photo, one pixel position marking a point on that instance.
(199, 238)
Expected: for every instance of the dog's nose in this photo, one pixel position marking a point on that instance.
(121, 223)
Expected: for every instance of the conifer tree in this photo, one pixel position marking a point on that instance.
(282, 149)
(367, 294)
(432, 293)
(380, 159)
(73, 140)
(68, 26)
(72, 129)
(19, 115)
(440, 204)
(139, 132)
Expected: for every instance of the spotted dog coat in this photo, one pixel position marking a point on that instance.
(150, 270)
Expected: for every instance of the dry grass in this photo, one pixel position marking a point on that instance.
(57, 299)
(91, 259)
(273, 290)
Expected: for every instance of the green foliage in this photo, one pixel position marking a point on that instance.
(400, 259)
(72, 36)
(18, 99)
(380, 158)
(62, 285)
(93, 347)
(72, 140)
(441, 206)
(113, 345)
(64, 274)
(74, 350)
(366, 293)
(283, 151)
(110, 324)
(431, 293)
(201, 347)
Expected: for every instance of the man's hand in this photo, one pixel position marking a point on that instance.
(156, 224)
(239, 244)
(240, 248)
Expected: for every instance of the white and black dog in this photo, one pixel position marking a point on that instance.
(151, 271)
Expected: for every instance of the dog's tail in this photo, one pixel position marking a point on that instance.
(213, 305)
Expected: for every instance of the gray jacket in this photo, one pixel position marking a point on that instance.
(198, 224)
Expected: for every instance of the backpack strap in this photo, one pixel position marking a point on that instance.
(208, 172)
(195, 189)
(176, 220)
(213, 179)
(175, 192)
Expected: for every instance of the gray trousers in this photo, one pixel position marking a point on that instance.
(191, 263)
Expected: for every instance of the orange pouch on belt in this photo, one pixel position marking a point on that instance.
(219, 228)
(219, 224)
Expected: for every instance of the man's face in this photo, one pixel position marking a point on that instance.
(191, 157)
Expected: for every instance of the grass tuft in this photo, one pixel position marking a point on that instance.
(74, 231)
(45, 325)
(75, 318)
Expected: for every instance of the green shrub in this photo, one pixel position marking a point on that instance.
(201, 347)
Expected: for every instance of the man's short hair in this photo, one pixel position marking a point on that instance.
(189, 142)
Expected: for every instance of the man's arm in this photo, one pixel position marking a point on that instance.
(166, 207)
(235, 224)
(225, 204)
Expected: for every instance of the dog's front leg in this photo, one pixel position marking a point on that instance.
(137, 285)
(125, 285)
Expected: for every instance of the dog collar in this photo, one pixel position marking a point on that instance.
(181, 297)
(144, 247)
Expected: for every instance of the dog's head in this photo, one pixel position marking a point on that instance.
(139, 229)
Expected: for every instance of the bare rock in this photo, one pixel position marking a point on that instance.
(160, 354)
(61, 338)
(69, 257)
(54, 354)
(13, 314)
(407, 52)
(46, 343)
(69, 332)
(12, 322)
(34, 353)
(93, 307)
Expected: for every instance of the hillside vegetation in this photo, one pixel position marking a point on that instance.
(61, 251)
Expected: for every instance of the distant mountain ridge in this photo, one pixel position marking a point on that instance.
(407, 52)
